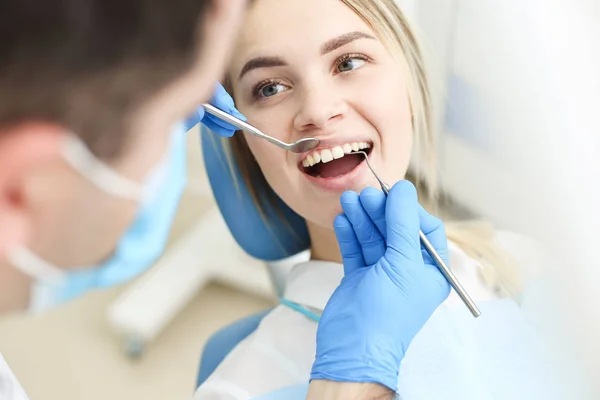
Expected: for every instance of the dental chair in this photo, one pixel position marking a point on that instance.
(278, 236)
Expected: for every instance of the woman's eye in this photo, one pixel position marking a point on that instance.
(271, 89)
(350, 64)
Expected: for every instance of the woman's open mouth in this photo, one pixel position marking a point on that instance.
(335, 162)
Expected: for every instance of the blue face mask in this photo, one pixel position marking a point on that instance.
(141, 245)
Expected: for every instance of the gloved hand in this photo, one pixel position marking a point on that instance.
(390, 288)
(222, 100)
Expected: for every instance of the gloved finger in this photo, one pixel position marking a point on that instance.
(213, 123)
(223, 101)
(373, 201)
(440, 287)
(352, 256)
(371, 241)
(219, 126)
(402, 218)
(435, 231)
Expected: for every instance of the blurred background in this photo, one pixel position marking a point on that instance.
(519, 101)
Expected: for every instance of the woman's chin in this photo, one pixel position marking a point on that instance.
(324, 216)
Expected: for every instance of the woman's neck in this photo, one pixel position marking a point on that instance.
(324, 245)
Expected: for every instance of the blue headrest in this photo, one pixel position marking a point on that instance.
(278, 234)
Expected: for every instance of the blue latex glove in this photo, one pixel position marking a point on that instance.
(390, 288)
(223, 101)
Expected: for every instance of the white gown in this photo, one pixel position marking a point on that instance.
(10, 388)
(453, 357)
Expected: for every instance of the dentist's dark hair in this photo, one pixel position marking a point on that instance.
(87, 64)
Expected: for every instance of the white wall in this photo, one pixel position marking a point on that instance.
(522, 140)
(515, 74)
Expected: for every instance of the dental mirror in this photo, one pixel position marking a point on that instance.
(299, 146)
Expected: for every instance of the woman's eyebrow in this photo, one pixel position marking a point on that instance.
(261, 62)
(327, 47)
(343, 40)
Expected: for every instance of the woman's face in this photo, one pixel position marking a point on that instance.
(313, 68)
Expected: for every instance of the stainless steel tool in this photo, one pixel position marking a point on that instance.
(462, 293)
(299, 146)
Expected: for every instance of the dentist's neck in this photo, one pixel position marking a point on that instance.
(15, 289)
(324, 245)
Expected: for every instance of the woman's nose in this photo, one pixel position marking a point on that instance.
(318, 106)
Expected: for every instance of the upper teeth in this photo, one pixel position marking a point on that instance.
(336, 152)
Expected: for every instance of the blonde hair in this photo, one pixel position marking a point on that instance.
(475, 238)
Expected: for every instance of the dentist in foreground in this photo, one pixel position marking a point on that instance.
(86, 159)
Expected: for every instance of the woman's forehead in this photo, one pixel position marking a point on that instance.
(276, 27)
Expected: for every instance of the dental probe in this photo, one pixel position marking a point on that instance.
(444, 269)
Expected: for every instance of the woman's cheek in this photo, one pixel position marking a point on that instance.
(269, 157)
(258, 149)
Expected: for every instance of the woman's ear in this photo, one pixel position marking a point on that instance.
(24, 149)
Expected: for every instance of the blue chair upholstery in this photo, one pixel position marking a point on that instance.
(272, 237)
(275, 236)
(222, 342)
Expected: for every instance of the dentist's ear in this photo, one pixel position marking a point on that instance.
(24, 150)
